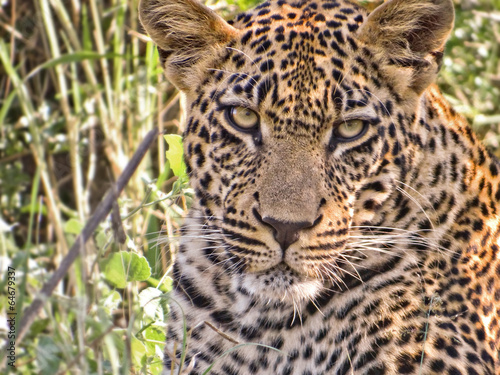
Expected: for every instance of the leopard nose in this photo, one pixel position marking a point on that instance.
(286, 233)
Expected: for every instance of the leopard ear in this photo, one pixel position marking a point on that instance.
(411, 34)
(186, 33)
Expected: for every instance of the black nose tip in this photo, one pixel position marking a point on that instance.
(286, 233)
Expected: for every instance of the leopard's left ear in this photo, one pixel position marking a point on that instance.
(411, 34)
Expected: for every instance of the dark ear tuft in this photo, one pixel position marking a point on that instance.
(411, 33)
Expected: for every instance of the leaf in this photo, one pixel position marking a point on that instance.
(111, 302)
(38, 326)
(150, 303)
(153, 336)
(114, 346)
(73, 226)
(175, 155)
(101, 239)
(70, 58)
(4, 109)
(138, 350)
(37, 207)
(123, 267)
(154, 340)
(48, 355)
(165, 286)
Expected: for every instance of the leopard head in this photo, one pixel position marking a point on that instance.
(300, 117)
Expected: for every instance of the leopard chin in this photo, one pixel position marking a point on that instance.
(281, 284)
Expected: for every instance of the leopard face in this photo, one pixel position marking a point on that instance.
(286, 140)
(330, 176)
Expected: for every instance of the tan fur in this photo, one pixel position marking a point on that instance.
(373, 254)
(411, 30)
(187, 31)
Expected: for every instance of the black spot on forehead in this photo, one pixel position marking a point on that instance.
(304, 31)
(308, 13)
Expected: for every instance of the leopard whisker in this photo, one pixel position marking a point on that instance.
(352, 265)
(398, 241)
(333, 277)
(414, 200)
(416, 191)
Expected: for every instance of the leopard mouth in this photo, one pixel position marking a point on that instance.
(281, 283)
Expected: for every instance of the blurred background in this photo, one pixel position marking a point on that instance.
(80, 86)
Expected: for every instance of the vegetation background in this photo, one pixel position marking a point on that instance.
(80, 86)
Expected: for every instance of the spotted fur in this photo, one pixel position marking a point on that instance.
(308, 253)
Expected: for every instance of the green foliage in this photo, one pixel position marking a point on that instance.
(471, 68)
(73, 226)
(80, 86)
(175, 155)
(49, 355)
(123, 267)
(243, 4)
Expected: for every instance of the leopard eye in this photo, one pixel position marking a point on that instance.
(243, 118)
(348, 130)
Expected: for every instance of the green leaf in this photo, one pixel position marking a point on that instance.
(38, 326)
(123, 267)
(111, 302)
(114, 346)
(73, 226)
(138, 350)
(4, 109)
(48, 355)
(101, 239)
(70, 58)
(166, 286)
(37, 207)
(150, 302)
(175, 155)
(154, 336)
(154, 340)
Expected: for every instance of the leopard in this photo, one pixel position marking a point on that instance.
(345, 218)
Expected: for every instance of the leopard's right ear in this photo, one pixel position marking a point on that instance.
(186, 33)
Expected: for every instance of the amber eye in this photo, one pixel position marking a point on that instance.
(243, 118)
(348, 130)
